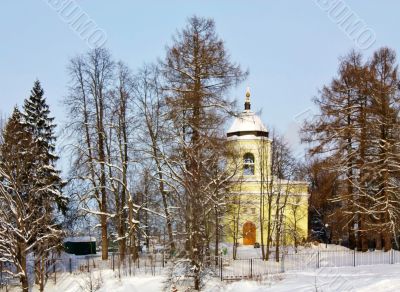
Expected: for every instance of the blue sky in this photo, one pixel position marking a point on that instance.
(291, 48)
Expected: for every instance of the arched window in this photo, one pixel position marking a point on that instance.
(248, 164)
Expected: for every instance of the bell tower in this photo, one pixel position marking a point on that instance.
(248, 137)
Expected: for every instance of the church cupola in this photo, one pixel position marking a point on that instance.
(247, 123)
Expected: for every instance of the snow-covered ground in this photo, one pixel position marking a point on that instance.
(382, 278)
(372, 273)
(104, 281)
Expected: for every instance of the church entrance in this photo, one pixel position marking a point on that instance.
(249, 233)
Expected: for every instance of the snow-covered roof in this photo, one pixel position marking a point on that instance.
(80, 239)
(247, 122)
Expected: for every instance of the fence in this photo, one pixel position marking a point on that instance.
(226, 268)
(253, 268)
(54, 268)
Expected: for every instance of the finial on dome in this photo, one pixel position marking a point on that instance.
(247, 101)
(248, 92)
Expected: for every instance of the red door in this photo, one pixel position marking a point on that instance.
(249, 233)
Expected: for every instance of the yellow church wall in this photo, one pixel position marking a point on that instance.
(248, 190)
(296, 213)
(260, 148)
(250, 162)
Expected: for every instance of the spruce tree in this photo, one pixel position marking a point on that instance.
(23, 226)
(17, 152)
(41, 125)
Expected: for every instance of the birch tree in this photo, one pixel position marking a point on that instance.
(155, 136)
(91, 77)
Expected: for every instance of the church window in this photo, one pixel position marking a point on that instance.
(248, 164)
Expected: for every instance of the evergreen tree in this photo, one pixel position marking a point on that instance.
(16, 164)
(26, 226)
(41, 125)
(17, 152)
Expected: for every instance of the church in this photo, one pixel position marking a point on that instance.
(259, 202)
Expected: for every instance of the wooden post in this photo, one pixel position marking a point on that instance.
(130, 264)
(392, 256)
(220, 266)
(251, 268)
(55, 272)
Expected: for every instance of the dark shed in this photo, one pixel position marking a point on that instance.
(84, 245)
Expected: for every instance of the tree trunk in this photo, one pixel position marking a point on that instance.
(42, 271)
(364, 241)
(387, 241)
(163, 192)
(23, 273)
(37, 270)
(351, 233)
(103, 186)
(216, 252)
(262, 197)
(378, 241)
(132, 229)
(277, 244)
(269, 226)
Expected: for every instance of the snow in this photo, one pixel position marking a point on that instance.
(109, 281)
(377, 278)
(385, 278)
(247, 121)
(142, 283)
(80, 239)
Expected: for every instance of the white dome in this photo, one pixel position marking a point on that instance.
(247, 123)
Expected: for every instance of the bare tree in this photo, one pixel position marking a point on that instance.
(233, 208)
(334, 132)
(266, 194)
(151, 105)
(283, 170)
(121, 125)
(356, 131)
(382, 196)
(295, 214)
(196, 74)
(91, 77)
